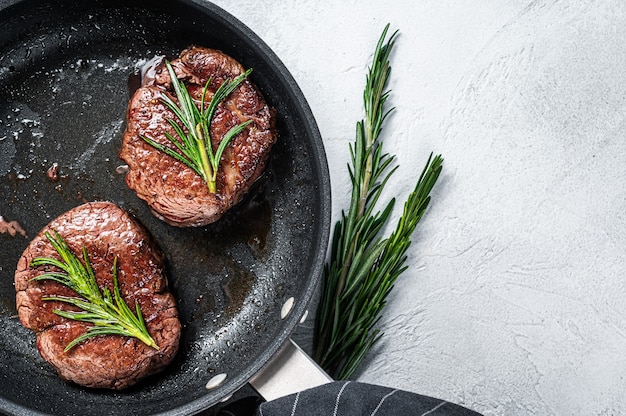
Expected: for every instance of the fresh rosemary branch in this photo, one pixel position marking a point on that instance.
(108, 313)
(193, 139)
(363, 266)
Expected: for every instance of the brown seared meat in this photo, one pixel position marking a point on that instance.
(107, 361)
(174, 192)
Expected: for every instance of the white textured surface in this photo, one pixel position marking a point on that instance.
(514, 302)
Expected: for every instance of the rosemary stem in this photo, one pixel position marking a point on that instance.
(146, 339)
(207, 170)
(365, 186)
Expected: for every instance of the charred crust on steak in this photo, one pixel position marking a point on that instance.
(173, 191)
(109, 361)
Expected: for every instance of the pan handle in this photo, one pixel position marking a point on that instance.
(290, 371)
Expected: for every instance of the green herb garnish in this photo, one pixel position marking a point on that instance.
(363, 266)
(108, 313)
(193, 139)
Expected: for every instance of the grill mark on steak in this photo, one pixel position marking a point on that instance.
(173, 191)
(107, 361)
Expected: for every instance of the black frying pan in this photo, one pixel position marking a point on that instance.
(67, 69)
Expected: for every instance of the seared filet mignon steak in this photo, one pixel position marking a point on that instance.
(105, 361)
(174, 192)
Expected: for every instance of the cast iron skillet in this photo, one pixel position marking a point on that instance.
(67, 69)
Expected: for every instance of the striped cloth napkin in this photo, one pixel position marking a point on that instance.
(350, 398)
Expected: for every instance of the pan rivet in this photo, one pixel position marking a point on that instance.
(284, 311)
(304, 316)
(216, 381)
(227, 398)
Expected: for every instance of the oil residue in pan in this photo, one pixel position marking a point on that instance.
(216, 268)
(55, 120)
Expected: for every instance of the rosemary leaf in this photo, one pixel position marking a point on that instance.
(109, 314)
(364, 266)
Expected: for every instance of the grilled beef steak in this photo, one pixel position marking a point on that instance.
(174, 192)
(106, 361)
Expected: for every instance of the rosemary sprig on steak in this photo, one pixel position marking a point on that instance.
(108, 312)
(193, 140)
(363, 266)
